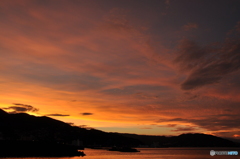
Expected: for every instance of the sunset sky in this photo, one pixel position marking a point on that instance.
(157, 67)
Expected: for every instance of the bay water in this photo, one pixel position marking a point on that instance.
(151, 153)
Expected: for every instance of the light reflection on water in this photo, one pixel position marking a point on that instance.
(160, 153)
(150, 153)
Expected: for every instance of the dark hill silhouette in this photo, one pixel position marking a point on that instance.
(201, 140)
(31, 128)
(184, 140)
(3, 113)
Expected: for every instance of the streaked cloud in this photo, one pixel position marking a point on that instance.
(211, 123)
(62, 115)
(21, 108)
(208, 65)
(87, 113)
(182, 129)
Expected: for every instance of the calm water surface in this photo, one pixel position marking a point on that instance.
(159, 153)
(151, 153)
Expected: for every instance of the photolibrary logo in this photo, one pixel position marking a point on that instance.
(212, 152)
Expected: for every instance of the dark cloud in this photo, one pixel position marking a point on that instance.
(171, 125)
(21, 108)
(168, 125)
(189, 55)
(208, 65)
(87, 113)
(219, 122)
(184, 129)
(57, 115)
(179, 128)
(189, 96)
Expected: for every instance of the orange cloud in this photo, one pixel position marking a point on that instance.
(236, 135)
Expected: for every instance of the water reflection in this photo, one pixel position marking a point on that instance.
(149, 153)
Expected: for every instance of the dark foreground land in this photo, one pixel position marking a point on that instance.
(37, 149)
(24, 135)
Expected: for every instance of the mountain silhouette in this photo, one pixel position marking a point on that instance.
(27, 127)
(184, 140)
(2, 113)
(28, 135)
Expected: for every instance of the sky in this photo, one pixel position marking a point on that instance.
(159, 67)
